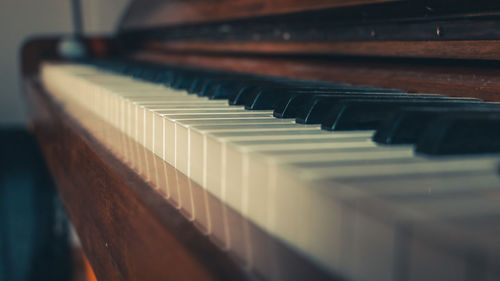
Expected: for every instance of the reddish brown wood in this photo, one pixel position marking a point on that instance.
(143, 14)
(480, 50)
(466, 80)
(128, 230)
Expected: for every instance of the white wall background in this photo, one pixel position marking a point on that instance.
(21, 19)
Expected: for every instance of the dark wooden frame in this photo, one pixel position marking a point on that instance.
(436, 29)
(144, 14)
(453, 78)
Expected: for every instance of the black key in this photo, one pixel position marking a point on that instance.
(229, 88)
(149, 73)
(226, 90)
(164, 77)
(299, 102)
(144, 74)
(317, 108)
(183, 81)
(288, 99)
(368, 114)
(195, 86)
(404, 126)
(248, 93)
(271, 97)
(461, 134)
(289, 108)
(207, 87)
(266, 99)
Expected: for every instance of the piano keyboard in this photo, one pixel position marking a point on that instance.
(370, 184)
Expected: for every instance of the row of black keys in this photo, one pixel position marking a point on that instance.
(437, 124)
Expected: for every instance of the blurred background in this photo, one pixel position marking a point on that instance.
(36, 242)
(22, 19)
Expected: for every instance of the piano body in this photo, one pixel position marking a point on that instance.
(279, 140)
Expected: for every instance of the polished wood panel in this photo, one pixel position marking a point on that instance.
(127, 229)
(480, 50)
(481, 80)
(144, 14)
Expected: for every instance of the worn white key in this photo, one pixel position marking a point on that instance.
(171, 120)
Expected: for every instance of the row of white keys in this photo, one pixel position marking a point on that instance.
(231, 151)
(196, 144)
(154, 118)
(257, 200)
(212, 166)
(469, 244)
(214, 184)
(226, 159)
(464, 202)
(176, 149)
(260, 169)
(168, 141)
(218, 164)
(192, 135)
(368, 226)
(404, 153)
(252, 195)
(149, 121)
(437, 185)
(232, 167)
(136, 113)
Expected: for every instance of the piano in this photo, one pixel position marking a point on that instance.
(278, 140)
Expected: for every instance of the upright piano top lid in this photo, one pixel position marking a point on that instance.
(143, 14)
(146, 14)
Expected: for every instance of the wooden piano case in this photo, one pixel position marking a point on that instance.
(128, 230)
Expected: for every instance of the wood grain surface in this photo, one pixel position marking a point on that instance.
(149, 13)
(454, 78)
(478, 50)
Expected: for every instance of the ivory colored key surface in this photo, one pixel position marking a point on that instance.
(194, 140)
(233, 153)
(159, 127)
(292, 180)
(223, 172)
(137, 106)
(410, 169)
(170, 122)
(155, 118)
(213, 188)
(465, 164)
(195, 143)
(146, 120)
(258, 169)
(237, 195)
(430, 186)
(174, 151)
